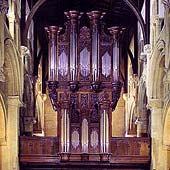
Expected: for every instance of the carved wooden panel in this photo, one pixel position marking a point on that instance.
(75, 138)
(84, 50)
(130, 146)
(125, 152)
(106, 56)
(84, 102)
(63, 56)
(39, 145)
(94, 142)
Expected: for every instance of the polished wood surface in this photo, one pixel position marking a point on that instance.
(126, 153)
(132, 150)
(38, 149)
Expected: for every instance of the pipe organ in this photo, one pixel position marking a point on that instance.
(83, 83)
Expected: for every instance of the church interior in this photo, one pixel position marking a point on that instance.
(84, 84)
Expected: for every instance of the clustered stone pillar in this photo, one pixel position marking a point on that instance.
(3, 12)
(156, 132)
(13, 130)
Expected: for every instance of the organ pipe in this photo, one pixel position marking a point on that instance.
(73, 16)
(52, 32)
(116, 33)
(95, 17)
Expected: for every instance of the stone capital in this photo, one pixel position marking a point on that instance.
(147, 49)
(25, 51)
(143, 57)
(155, 103)
(125, 96)
(3, 7)
(14, 101)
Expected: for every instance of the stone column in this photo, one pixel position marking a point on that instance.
(26, 64)
(13, 130)
(147, 51)
(3, 12)
(125, 97)
(11, 17)
(156, 133)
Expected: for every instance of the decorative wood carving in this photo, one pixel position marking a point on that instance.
(117, 86)
(94, 139)
(75, 139)
(84, 48)
(84, 101)
(52, 86)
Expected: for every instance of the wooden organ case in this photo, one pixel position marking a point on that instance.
(83, 84)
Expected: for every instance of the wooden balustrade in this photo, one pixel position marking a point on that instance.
(38, 149)
(130, 150)
(125, 152)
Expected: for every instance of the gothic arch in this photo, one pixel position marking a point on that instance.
(3, 121)
(156, 71)
(12, 68)
(30, 17)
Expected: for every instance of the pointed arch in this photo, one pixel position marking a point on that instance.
(3, 121)
(139, 17)
(156, 71)
(12, 67)
(30, 17)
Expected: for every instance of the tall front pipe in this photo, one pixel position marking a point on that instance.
(116, 33)
(52, 32)
(73, 16)
(104, 127)
(95, 17)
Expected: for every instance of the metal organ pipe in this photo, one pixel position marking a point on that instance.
(95, 17)
(73, 16)
(116, 33)
(65, 131)
(104, 132)
(52, 32)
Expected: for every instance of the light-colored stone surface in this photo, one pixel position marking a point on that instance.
(50, 119)
(118, 119)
